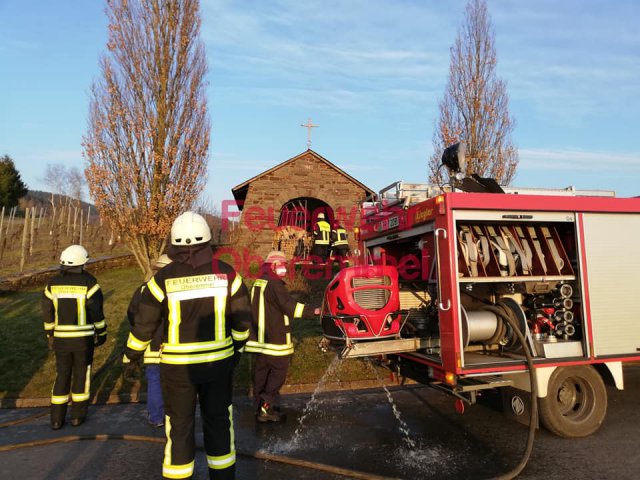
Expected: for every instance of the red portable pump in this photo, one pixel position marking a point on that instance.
(362, 303)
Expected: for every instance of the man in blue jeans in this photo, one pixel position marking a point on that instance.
(155, 405)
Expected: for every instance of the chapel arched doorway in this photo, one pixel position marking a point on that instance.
(293, 234)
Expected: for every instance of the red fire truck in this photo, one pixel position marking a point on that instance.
(455, 289)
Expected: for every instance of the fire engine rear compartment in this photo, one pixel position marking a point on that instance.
(528, 265)
(460, 277)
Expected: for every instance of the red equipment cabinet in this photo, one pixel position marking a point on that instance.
(564, 268)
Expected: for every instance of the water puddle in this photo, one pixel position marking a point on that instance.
(337, 422)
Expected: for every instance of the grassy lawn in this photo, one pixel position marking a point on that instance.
(27, 368)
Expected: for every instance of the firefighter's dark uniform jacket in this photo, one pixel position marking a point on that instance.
(321, 233)
(339, 238)
(73, 316)
(152, 352)
(206, 311)
(202, 308)
(273, 308)
(72, 309)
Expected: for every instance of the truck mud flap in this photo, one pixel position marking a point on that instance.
(516, 405)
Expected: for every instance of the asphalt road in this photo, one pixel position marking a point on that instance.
(416, 435)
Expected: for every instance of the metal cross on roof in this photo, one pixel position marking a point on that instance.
(309, 125)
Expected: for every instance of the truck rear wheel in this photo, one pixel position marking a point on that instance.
(576, 402)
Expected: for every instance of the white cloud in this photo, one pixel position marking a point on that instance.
(579, 161)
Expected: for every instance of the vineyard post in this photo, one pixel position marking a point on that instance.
(24, 239)
(33, 226)
(42, 212)
(75, 222)
(1, 222)
(68, 219)
(81, 224)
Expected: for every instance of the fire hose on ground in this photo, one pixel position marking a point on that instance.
(161, 440)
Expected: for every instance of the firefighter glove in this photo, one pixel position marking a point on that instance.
(132, 370)
(99, 339)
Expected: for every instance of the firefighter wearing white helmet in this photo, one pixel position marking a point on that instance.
(190, 229)
(74, 255)
(202, 307)
(74, 323)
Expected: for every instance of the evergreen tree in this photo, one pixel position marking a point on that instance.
(11, 185)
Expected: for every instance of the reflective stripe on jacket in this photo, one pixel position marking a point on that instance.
(72, 309)
(272, 307)
(321, 233)
(204, 315)
(339, 237)
(152, 352)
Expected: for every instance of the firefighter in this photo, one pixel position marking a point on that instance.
(321, 241)
(339, 243)
(203, 309)
(270, 337)
(155, 406)
(74, 323)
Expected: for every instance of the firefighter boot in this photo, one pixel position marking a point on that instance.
(267, 413)
(58, 413)
(75, 422)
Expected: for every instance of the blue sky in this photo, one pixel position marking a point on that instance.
(370, 73)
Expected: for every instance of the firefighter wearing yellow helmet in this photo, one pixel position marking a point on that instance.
(321, 240)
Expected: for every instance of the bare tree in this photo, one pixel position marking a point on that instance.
(55, 175)
(148, 136)
(475, 108)
(75, 180)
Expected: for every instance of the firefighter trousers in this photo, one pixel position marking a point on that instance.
(73, 383)
(180, 397)
(321, 252)
(270, 373)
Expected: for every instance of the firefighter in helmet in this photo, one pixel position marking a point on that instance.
(74, 323)
(270, 338)
(203, 308)
(339, 243)
(155, 406)
(321, 241)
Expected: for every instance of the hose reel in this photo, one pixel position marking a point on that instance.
(486, 326)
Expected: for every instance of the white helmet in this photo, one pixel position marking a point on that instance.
(74, 255)
(189, 229)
